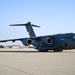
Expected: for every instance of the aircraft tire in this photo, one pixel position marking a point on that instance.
(46, 50)
(43, 50)
(58, 50)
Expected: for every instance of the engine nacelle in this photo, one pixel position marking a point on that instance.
(46, 40)
(27, 42)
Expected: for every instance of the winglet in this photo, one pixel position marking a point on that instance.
(29, 23)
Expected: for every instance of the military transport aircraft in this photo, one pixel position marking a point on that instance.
(57, 42)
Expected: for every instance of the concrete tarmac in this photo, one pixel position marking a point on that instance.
(31, 62)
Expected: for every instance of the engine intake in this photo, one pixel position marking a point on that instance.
(49, 41)
(27, 42)
(46, 40)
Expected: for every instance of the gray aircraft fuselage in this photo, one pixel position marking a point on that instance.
(56, 42)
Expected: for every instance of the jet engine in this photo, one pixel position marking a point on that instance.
(27, 42)
(46, 40)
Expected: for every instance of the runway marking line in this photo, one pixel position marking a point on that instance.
(16, 69)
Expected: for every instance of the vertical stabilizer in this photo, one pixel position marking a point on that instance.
(28, 27)
(30, 30)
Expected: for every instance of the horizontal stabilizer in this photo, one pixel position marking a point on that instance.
(29, 23)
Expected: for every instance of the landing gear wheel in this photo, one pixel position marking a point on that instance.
(46, 50)
(55, 51)
(43, 50)
(58, 50)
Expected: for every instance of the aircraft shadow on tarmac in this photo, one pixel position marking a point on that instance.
(27, 52)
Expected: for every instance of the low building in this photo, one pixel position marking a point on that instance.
(16, 46)
(7, 46)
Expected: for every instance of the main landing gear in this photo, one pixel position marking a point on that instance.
(47, 50)
(58, 50)
(43, 50)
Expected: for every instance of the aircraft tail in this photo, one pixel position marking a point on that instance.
(28, 27)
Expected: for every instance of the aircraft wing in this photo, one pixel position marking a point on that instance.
(13, 40)
(20, 39)
(40, 37)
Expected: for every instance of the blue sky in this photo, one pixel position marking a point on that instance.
(54, 16)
